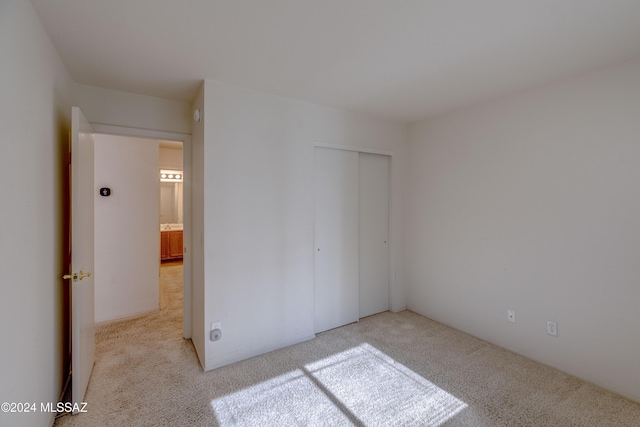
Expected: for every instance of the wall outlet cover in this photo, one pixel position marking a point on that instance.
(552, 328)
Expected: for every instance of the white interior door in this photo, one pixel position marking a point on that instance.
(373, 194)
(82, 285)
(336, 238)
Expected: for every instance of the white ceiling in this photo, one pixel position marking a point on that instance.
(402, 59)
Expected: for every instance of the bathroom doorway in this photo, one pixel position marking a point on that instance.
(171, 218)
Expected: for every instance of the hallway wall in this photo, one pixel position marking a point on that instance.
(127, 227)
(118, 108)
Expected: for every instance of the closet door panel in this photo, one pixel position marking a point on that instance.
(336, 271)
(373, 195)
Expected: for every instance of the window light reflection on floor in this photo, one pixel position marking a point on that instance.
(359, 386)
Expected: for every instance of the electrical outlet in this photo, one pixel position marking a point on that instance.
(216, 331)
(552, 328)
(511, 316)
(215, 335)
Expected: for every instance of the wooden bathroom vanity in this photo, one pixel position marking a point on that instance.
(171, 244)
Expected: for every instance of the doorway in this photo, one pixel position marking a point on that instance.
(171, 217)
(150, 245)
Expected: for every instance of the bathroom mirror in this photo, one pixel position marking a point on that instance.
(171, 203)
(170, 177)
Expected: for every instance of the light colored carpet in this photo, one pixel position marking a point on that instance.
(171, 287)
(390, 369)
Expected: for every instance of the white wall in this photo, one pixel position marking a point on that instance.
(35, 115)
(258, 213)
(532, 203)
(117, 108)
(127, 230)
(170, 158)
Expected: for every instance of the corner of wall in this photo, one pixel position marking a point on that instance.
(197, 228)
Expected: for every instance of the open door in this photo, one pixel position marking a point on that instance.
(81, 268)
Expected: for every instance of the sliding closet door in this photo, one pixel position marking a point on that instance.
(373, 196)
(336, 238)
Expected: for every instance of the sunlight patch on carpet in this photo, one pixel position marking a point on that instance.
(289, 399)
(359, 386)
(379, 390)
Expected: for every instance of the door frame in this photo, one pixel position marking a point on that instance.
(392, 210)
(186, 202)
